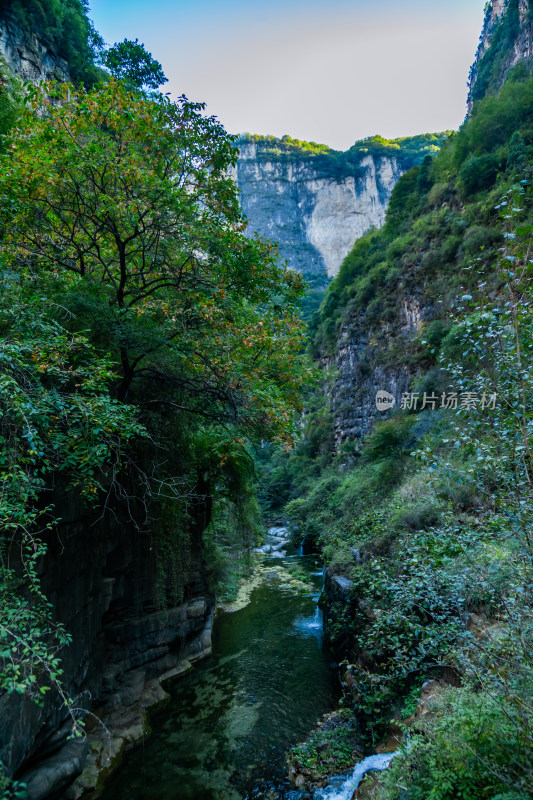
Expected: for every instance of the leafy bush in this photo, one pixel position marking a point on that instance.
(472, 747)
(330, 749)
(478, 173)
(391, 438)
(418, 517)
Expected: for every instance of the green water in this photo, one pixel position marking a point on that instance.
(231, 720)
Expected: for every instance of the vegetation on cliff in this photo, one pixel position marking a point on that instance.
(338, 165)
(441, 216)
(146, 342)
(489, 70)
(64, 27)
(429, 516)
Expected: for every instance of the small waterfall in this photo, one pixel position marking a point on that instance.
(301, 548)
(311, 626)
(343, 790)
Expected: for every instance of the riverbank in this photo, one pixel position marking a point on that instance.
(231, 720)
(333, 764)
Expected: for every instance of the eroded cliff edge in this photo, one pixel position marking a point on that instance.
(316, 202)
(315, 218)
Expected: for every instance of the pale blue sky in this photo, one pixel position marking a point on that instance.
(330, 72)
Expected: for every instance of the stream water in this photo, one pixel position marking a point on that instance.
(264, 688)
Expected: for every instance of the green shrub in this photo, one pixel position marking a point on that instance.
(391, 438)
(330, 749)
(434, 333)
(450, 247)
(440, 193)
(478, 173)
(418, 517)
(469, 748)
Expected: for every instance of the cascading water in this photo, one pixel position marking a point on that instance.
(312, 625)
(343, 788)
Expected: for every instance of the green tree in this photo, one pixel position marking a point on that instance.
(130, 62)
(56, 419)
(129, 198)
(121, 204)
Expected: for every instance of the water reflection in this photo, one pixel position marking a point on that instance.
(232, 719)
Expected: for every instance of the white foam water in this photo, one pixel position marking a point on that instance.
(344, 790)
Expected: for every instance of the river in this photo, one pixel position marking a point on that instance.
(232, 718)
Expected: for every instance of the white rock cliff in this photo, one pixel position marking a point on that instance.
(314, 217)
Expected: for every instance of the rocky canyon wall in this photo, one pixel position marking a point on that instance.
(135, 613)
(368, 359)
(27, 56)
(315, 217)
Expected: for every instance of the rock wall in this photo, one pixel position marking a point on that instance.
(27, 56)
(520, 51)
(108, 588)
(363, 365)
(315, 218)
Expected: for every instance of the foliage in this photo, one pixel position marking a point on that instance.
(435, 223)
(146, 344)
(488, 73)
(409, 150)
(338, 165)
(284, 474)
(128, 197)
(11, 790)
(330, 749)
(478, 172)
(429, 515)
(495, 344)
(232, 533)
(474, 745)
(57, 423)
(9, 101)
(130, 62)
(63, 25)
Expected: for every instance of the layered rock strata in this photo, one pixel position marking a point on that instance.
(27, 56)
(314, 217)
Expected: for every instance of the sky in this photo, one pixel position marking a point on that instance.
(331, 72)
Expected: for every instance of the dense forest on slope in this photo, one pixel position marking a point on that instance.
(429, 515)
(442, 213)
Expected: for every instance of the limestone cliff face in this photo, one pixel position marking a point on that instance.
(109, 587)
(361, 371)
(28, 57)
(315, 218)
(508, 33)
